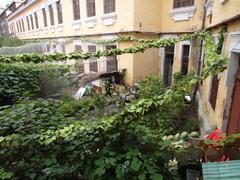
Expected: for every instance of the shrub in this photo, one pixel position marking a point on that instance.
(39, 80)
(151, 86)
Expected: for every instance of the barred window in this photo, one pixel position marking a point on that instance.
(109, 6)
(36, 20)
(44, 17)
(91, 11)
(23, 25)
(59, 12)
(51, 14)
(182, 3)
(76, 10)
(31, 19)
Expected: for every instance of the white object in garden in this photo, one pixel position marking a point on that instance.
(80, 93)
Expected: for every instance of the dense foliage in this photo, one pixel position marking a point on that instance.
(125, 145)
(38, 80)
(11, 42)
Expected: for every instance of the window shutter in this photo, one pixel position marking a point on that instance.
(109, 6)
(112, 64)
(44, 17)
(214, 91)
(51, 14)
(93, 61)
(78, 48)
(36, 20)
(182, 3)
(31, 18)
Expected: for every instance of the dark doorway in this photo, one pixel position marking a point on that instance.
(168, 65)
(185, 59)
(234, 119)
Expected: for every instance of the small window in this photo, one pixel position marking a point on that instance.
(59, 12)
(20, 26)
(31, 19)
(23, 25)
(91, 8)
(36, 20)
(109, 6)
(78, 48)
(182, 3)
(76, 10)
(44, 17)
(51, 14)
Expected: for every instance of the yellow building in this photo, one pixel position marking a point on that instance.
(77, 25)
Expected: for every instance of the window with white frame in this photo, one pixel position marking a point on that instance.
(51, 14)
(59, 12)
(91, 9)
(44, 17)
(36, 20)
(76, 9)
(31, 19)
(109, 6)
(23, 25)
(28, 23)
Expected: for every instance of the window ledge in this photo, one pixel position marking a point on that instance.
(60, 28)
(182, 14)
(109, 19)
(91, 22)
(52, 29)
(222, 1)
(76, 24)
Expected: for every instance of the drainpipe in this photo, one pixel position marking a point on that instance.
(201, 51)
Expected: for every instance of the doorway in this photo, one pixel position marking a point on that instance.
(234, 118)
(168, 65)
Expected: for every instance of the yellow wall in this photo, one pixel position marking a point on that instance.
(170, 26)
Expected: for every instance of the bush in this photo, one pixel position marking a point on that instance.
(151, 86)
(39, 142)
(39, 80)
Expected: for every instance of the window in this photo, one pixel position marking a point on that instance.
(18, 27)
(78, 48)
(44, 17)
(76, 10)
(91, 8)
(214, 91)
(182, 3)
(51, 14)
(59, 12)
(111, 61)
(31, 19)
(63, 48)
(23, 25)
(93, 61)
(109, 6)
(28, 23)
(36, 20)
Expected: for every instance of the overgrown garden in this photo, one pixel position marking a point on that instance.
(44, 137)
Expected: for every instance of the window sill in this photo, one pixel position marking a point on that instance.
(182, 14)
(109, 19)
(222, 1)
(52, 29)
(60, 28)
(76, 24)
(91, 22)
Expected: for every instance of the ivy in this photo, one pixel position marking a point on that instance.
(144, 44)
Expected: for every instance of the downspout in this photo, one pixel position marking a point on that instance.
(201, 51)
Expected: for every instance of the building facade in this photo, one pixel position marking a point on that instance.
(77, 25)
